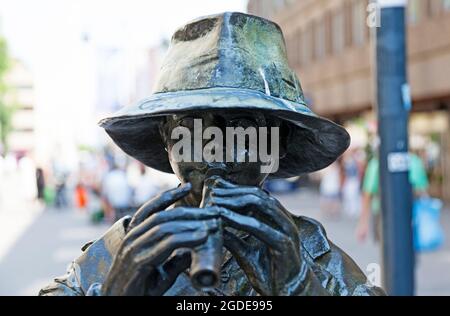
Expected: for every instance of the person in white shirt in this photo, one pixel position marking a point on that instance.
(330, 191)
(146, 187)
(116, 192)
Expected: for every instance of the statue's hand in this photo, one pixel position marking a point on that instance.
(153, 252)
(274, 266)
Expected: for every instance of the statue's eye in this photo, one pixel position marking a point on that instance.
(187, 122)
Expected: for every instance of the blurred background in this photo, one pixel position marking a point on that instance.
(66, 64)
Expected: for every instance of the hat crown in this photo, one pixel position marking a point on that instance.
(233, 50)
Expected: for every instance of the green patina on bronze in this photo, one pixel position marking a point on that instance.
(230, 50)
(229, 61)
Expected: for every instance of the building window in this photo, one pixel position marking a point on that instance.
(266, 8)
(446, 5)
(291, 47)
(434, 7)
(358, 23)
(415, 11)
(328, 17)
(298, 48)
(338, 32)
(278, 5)
(289, 2)
(307, 50)
(320, 40)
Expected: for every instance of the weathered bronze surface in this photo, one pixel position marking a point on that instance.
(225, 69)
(231, 60)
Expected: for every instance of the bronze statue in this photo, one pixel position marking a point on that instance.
(219, 232)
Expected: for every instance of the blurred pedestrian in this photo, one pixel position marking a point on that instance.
(351, 184)
(371, 203)
(27, 176)
(117, 194)
(146, 187)
(81, 196)
(40, 183)
(330, 194)
(61, 201)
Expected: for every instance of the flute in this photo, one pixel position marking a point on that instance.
(207, 258)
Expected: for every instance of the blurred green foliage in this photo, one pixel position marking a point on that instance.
(6, 111)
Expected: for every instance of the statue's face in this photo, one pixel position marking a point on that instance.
(247, 172)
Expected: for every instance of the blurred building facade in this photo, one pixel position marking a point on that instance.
(22, 138)
(330, 46)
(147, 75)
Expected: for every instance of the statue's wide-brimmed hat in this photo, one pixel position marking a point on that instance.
(229, 61)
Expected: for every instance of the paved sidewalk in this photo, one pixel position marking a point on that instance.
(44, 250)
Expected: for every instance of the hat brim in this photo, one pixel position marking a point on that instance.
(314, 142)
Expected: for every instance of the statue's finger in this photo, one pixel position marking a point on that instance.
(270, 236)
(221, 182)
(155, 235)
(159, 203)
(239, 191)
(252, 205)
(156, 255)
(235, 192)
(176, 214)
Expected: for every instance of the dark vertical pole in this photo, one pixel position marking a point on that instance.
(393, 110)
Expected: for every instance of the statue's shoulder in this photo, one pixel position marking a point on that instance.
(312, 236)
(98, 255)
(92, 265)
